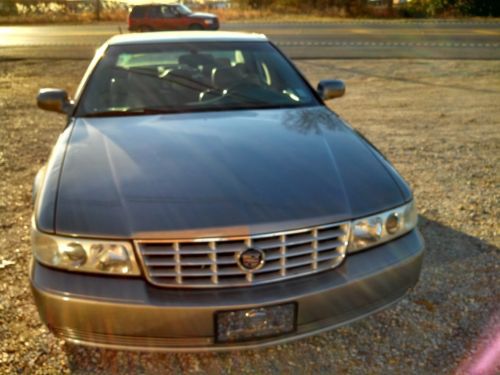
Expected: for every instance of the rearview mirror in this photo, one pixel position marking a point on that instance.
(55, 100)
(331, 88)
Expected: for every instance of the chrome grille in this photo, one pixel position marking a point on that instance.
(213, 262)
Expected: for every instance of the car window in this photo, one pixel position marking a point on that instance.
(168, 11)
(183, 10)
(187, 77)
(155, 12)
(138, 12)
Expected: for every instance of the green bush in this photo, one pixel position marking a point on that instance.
(482, 8)
(326, 7)
(415, 8)
(439, 8)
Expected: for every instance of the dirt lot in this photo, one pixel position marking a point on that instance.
(438, 121)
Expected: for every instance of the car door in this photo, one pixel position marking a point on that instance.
(182, 21)
(170, 20)
(155, 18)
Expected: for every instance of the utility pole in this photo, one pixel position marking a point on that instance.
(97, 10)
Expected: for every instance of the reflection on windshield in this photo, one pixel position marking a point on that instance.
(184, 10)
(193, 77)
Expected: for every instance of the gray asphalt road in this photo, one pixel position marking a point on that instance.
(343, 39)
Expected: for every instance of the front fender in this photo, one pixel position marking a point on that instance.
(37, 183)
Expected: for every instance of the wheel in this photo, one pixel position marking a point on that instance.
(195, 26)
(145, 29)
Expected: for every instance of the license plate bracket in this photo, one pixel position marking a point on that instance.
(255, 323)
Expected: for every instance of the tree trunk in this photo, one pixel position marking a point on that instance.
(98, 10)
(389, 6)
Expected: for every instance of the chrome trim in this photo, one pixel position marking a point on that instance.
(214, 262)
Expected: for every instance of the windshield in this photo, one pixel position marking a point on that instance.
(184, 10)
(189, 77)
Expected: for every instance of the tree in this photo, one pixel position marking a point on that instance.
(8, 8)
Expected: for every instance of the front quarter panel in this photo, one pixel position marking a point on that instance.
(46, 195)
(37, 183)
(402, 184)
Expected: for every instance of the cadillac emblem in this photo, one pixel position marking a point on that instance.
(251, 260)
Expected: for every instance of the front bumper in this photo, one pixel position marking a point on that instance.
(213, 26)
(129, 313)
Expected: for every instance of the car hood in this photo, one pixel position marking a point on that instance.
(245, 171)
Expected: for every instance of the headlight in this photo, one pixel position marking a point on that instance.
(208, 21)
(75, 254)
(374, 230)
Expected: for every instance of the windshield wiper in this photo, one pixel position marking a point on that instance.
(130, 112)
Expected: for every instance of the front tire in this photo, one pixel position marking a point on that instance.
(195, 26)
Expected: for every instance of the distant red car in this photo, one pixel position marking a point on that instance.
(155, 17)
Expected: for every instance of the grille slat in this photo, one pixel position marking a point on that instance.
(330, 234)
(172, 263)
(198, 252)
(185, 273)
(209, 263)
(322, 246)
(323, 258)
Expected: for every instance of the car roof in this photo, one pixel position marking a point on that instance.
(153, 4)
(185, 36)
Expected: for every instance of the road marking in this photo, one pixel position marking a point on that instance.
(389, 44)
(343, 22)
(417, 33)
(455, 32)
(486, 32)
(360, 31)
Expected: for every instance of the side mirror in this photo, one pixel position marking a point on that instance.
(331, 88)
(55, 100)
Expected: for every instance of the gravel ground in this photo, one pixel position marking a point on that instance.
(438, 121)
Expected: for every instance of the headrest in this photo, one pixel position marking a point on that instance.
(194, 60)
(223, 62)
(225, 77)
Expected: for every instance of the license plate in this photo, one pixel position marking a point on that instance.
(260, 322)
